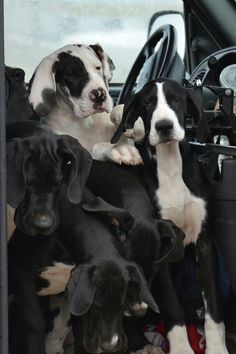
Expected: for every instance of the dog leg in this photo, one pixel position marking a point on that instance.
(54, 340)
(173, 314)
(149, 349)
(214, 325)
(123, 153)
(56, 276)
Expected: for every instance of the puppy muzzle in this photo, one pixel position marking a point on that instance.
(164, 129)
(42, 224)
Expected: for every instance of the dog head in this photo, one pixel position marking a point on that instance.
(163, 105)
(17, 104)
(163, 240)
(37, 167)
(79, 74)
(101, 294)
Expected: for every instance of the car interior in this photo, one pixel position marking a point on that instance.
(206, 63)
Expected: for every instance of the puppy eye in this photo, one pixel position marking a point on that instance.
(70, 73)
(149, 103)
(175, 99)
(98, 68)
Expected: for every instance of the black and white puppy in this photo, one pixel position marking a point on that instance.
(68, 88)
(179, 192)
(38, 164)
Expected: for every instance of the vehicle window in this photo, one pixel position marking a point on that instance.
(35, 28)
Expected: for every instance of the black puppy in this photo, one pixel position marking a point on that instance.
(151, 243)
(148, 240)
(17, 104)
(105, 284)
(179, 192)
(39, 164)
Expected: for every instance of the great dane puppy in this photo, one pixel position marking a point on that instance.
(179, 192)
(105, 284)
(39, 165)
(68, 89)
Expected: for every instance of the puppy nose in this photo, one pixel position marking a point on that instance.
(43, 221)
(98, 95)
(108, 346)
(139, 309)
(164, 126)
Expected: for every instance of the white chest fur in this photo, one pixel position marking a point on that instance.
(176, 201)
(89, 131)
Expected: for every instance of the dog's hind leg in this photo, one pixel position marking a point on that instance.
(208, 269)
(172, 312)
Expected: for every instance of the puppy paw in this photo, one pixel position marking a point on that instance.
(116, 114)
(138, 131)
(57, 277)
(149, 349)
(181, 351)
(125, 154)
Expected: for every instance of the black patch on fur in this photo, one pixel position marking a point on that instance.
(70, 72)
(176, 99)
(43, 108)
(41, 283)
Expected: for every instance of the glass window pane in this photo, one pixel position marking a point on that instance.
(35, 28)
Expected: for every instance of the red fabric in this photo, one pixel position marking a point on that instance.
(157, 336)
(196, 339)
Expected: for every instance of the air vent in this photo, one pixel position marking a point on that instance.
(198, 78)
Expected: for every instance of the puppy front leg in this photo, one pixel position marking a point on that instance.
(29, 314)
(172, 312)
(214, 325)
(118, 153)
(77, 327)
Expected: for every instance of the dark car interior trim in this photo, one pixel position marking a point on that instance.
(207, 34)
(3, 233)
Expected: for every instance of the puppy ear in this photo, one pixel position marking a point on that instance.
(131, 112)
(195, 109)
(145, 294)
(16, 74)
(43, 86)
(107, 63)
(98, 205)
(81, 290)
(81, 161)
(172, 245)
(16, 157)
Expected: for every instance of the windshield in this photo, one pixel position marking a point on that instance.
(43, 26)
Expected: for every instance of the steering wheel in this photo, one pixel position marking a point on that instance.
(150, 64)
